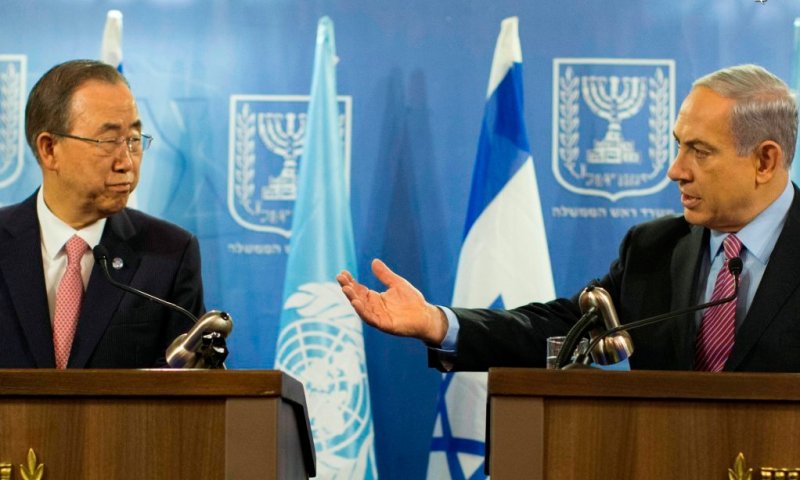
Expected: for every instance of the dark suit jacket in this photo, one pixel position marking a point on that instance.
(115, 329)
(656, 272)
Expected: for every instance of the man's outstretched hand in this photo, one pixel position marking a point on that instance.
(400, 310)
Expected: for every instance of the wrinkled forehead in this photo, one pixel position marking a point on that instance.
(704, 110)
(104, 106)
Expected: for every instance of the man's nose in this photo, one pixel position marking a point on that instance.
(678, 171)
(123, 159)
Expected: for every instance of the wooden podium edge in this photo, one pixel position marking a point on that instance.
(772, 387)
(294, 393)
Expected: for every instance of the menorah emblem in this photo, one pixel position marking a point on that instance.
(267, 136)
(614, 99)
(12, 83)
(593, 97)
(283, 135)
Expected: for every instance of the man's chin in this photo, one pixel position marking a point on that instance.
(694, 217)
(114, 206)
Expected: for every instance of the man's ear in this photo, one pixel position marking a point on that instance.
(768, 160)
(45, 148)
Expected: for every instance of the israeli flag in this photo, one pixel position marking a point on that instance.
(111, 47)
(504, 260)
(320, 341)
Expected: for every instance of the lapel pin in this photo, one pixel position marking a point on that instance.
(117, 263)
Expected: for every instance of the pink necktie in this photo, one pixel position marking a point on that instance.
(715, 340)
(68, 301)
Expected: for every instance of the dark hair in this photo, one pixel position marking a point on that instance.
(765, 108)
(50, 101)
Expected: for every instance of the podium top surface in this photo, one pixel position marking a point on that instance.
(644, 384)
(156, 382)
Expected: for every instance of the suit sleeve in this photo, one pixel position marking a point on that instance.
(516, 337)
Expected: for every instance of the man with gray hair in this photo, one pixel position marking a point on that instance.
(57, 310)
(736, 133)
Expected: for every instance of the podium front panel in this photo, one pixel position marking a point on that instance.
(637, 425)
(155, 425)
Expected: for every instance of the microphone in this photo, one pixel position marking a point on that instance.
(100, 253)
(596, 304)
(203, 346)
(609, 348)
(735, 266)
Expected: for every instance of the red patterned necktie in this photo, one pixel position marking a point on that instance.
(715, 340)
(69, 297)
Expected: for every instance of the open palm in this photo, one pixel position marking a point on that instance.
(400, 310)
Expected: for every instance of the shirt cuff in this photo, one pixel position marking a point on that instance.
(450, 342)
(446, 352)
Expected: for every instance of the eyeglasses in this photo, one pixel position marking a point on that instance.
(136, 143)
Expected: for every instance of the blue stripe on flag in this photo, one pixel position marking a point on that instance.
(453, 446)
(503, 145)
(460, 445)
(503, 241)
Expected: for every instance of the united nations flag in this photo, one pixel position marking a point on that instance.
(321, 341)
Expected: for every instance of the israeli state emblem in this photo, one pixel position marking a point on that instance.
(12, 96)
(612, 120)
(266, 138)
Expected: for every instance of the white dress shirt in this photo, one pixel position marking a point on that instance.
(54, 234)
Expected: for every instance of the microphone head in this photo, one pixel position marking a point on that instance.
(100, 253)
(612, 349)
(735, 266)
(599, 298)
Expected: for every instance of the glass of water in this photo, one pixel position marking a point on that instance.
(554, 345)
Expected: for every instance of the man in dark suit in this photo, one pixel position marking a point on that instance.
(736, 132)
(56, 307)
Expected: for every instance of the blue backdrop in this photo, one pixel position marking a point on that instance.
(412, 76)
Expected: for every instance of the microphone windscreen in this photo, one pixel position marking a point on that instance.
(100, 252)
(735, 265)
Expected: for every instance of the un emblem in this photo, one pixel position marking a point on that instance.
(612, 120)
(12, 89)
(266, 137)
(324, 348)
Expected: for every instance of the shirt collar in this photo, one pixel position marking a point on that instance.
(55, 232)
(760, 235)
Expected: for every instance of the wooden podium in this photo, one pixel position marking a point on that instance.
(590, 424)
(154, 424)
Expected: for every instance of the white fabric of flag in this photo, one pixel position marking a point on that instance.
(111, 46)
(504, 260)
(321, 341)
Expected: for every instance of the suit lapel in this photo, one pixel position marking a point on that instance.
(102, 299)
(21, 265)
(780, 280)
(684, 269)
